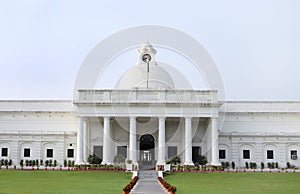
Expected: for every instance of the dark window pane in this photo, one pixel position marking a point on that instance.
(49, 153)
(98, 151)
(122, 151)
(246, 154)
(172, 151)
(196, 152)
(294, 154)
(4, 152)
(222, 154)
(270, 154)
(26, 152)
(70, 153)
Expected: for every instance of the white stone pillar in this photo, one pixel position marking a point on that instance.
(106, 141)
(132, 140)
(188, 141)
(214, 142)
(86, 140)
(161, 141)
(80, 142)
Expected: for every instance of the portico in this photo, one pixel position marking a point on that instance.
(170, 116)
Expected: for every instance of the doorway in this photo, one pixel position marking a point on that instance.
(147, 154)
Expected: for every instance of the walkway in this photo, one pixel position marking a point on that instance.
(148, 183)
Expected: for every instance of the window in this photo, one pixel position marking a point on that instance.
(246, 154)
(4, 152)
(122, 151)
(49, 153)
(70, 153)
(26, 152)
(196, 152)
(294, 154)
(222, 154)
(172, 151)
(270, 154)
(98, 151)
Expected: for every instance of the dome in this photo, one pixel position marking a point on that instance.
(146, 73)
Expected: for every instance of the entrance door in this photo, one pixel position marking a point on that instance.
(147, 157)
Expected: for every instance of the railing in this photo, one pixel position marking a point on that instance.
(147, 96)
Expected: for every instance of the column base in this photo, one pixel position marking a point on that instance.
(189, 163)
(79, 162)
(213, 164)
(106, 163)
(160, 163)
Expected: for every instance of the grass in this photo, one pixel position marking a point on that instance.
(17, 181)
(221, 183)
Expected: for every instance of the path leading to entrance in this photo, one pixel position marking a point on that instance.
(148, 183)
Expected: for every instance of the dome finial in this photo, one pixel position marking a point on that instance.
(146, 48)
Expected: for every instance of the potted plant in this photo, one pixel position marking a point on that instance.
(21, 163)
(129, 165)
(262, 166)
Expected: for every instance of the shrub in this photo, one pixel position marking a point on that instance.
(93, 159)
(276, 165)
(119, 159)
(262, 165)
(232, 165)
(21, 162)
(288, 165)
(247, 165)
(41, 162)
(55, 163)
(202, 160)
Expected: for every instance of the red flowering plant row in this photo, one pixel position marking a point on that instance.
(130, 185)
(167, 186)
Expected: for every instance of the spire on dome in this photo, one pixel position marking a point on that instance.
(146, 48)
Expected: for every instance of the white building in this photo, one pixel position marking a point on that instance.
(146, 119)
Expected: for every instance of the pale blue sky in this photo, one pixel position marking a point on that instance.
(255, 44)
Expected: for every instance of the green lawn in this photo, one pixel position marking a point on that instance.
(17, 181)
(254, 183)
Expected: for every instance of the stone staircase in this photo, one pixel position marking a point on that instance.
(148, 174)
(148, 183)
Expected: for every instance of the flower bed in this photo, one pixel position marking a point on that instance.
(130, 185)
(171, 189)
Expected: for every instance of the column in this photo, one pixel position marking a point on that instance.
(106, 141)
(86, 140)
(214, 142)
(132, 140)
(188, 141)
(80, 142)
(161, 141)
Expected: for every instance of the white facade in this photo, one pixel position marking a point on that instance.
(148, 121)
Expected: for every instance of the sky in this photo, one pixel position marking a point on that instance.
(255, 44)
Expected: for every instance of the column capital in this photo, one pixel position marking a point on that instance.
(132, 117)
(162, 117)
(188, 117)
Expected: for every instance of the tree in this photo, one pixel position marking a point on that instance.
(93, 159)
(202, 160)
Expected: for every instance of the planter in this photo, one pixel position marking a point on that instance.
(167, 167)
(129, 167)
